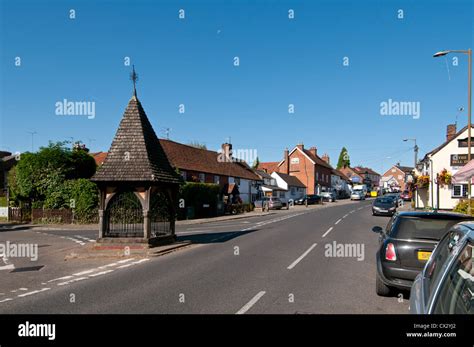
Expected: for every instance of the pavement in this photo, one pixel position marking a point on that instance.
(272, 263)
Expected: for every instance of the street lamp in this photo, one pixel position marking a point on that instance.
(469, 89)
(415, 149)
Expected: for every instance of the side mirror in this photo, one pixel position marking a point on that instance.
(377, 229)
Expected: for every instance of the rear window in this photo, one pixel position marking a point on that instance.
(422, 228)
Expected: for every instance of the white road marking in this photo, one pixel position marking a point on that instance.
(7, 267)
(352, 211)
(72, 281)
(101, 273)
(84, 272)
(327, 232)
(60, 278)
(302, 256)
(360, 208)
(338, 221)
(345, 216)
(7, 299)
(252, 302)
(33, 292)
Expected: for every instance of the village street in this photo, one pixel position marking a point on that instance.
(276, 263)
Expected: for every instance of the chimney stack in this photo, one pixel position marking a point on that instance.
(325, 157)
(313, 150)
(227, 151)
(450, 132)
(300, 146)
(286, 164)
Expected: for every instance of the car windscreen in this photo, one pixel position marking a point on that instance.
(422, 228)
(383, 201)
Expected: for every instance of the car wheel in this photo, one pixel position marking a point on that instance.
(381, 288)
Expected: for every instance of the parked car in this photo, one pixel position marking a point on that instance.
(396, 197)
(358, 195)
(328, 196)
(273, 203)
(446, 285)
(406, 195)
(406, 245)
(312, 199)
(384, 206)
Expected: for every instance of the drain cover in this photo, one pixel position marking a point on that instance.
(30, 268)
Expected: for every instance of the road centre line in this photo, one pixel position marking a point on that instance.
(252, 302)
(302, 256)
(338, 221)
(327, 232)
(345, 216)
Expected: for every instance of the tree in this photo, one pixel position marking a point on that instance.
(39, 177)
(344, 159)
(256, 163)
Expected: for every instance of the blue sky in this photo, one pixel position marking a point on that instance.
(282, 62)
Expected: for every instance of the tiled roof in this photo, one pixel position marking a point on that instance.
(136, 153)
(340, 174)
(189, 158)
(269, 166)
(99, 157)
(405, 168)
(185, 157)
(362, 170)
(317, 159)
(291, 180)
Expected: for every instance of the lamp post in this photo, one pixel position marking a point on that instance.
(469, 91)
(415, 150)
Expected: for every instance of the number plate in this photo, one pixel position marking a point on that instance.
(423, 255)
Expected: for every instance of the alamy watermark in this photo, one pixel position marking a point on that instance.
(19, 250)
(75, 108)
(238, 155)
(400, 108)
(345, 250)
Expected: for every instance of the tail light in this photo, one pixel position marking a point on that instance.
(390, 252)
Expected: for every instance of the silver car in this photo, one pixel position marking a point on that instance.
(446, 284)
(357, 195)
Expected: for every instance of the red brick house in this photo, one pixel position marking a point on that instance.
(306, 165)
(395, 178)
(202, 165)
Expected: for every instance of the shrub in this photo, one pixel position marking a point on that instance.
(462, 207)
(196, 195)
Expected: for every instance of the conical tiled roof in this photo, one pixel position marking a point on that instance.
(136, 153)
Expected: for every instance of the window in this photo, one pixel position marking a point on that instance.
(216, 179)
(459, 191)
(183, 174)
(282, 194)
(237, 181)
(317, 176)
(202, 177)
(457, 290)
(292, 190)
(295, 160)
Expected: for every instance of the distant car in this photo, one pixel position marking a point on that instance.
(328, 196)
(406, 195)
(384, 206)
(312, 199)
(406, 245)
(273, 203)
(446, 284)
(357, 195)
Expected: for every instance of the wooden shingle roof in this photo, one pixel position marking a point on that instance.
(136, 153)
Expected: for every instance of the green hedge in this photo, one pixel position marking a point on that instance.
(195, 196)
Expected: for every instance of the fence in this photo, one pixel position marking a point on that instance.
(57, 216)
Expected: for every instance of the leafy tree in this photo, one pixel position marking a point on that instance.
(344, 159)
(39, 177)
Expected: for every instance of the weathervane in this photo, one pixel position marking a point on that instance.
(134, 79)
